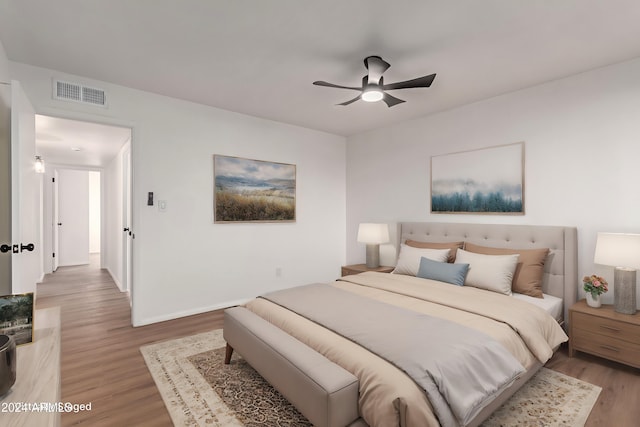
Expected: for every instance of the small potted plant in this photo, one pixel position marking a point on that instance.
(594, 286)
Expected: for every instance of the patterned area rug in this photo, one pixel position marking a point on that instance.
(200, 390)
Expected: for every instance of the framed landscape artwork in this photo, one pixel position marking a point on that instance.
(16, 317)
(483, 181)
(248, 190)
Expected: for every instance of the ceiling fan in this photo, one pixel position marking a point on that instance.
(373, 87)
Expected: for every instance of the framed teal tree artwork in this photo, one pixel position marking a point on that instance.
(483, 181)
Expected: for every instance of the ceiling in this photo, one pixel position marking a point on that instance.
(74, 143)
(261, 57)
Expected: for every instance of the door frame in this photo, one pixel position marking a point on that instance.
(109, 121)
(66, 206)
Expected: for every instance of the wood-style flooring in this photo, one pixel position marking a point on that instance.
(101, 361)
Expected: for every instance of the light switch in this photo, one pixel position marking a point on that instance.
(162, 205)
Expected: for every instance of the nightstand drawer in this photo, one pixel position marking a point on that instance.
(607, 327)
(605, 346)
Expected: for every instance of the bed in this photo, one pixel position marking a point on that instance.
(388, 395)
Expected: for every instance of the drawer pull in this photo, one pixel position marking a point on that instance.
(610, 328)
(608, 347)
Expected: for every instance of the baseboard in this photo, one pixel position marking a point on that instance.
(75, 263)
(185, 313)
(115, 279)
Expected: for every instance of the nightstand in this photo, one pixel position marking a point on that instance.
(361, 268)
(605, 333)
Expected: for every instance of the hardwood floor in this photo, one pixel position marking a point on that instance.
(101, 362)
(617, 405)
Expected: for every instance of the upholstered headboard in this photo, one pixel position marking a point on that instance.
(561, 266)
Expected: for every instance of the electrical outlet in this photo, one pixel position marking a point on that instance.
(162, 205)
(278, 272)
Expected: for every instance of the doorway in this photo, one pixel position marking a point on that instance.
(76, 216)
(87, 167)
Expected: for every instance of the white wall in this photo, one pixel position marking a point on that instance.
(5, 172)
(183, 263)
(94, 212)
(4, 65)
(582, 149)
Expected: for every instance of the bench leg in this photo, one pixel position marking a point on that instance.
(227, 355)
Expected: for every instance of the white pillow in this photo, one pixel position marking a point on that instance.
(409, 258)
(490, 272)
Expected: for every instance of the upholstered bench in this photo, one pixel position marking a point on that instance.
(322, 391)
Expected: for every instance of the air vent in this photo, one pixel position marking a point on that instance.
(93, 96)
(67, 91)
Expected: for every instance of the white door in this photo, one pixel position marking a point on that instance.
(126, 221)
(56, 221)
(25, 257)
(73, 215)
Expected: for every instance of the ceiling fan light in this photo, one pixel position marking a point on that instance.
(372, 95)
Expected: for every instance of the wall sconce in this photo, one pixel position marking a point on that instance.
(621, 251)
(39, 165)
(373, 235)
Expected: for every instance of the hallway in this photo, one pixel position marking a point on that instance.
(100, 361)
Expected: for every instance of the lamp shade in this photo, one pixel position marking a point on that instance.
(39, 165)
(618, 250)
(373, 234)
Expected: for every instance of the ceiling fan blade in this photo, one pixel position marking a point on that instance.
(419, 82)
(376, 66)
(350, 101)
(391, 100)
(321, 83)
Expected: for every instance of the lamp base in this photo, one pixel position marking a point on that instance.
(624, 292)
(373, 256)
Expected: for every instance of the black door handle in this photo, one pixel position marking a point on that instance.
(30, 247)
(6, 248)
(126, 229)
(59, 223)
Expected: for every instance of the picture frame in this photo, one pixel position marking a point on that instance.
(482, 181)
(248, 190)
(16, 317)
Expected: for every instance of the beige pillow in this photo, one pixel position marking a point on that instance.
(453, 246)
(491, 272)
(527, 278)
(409, 258)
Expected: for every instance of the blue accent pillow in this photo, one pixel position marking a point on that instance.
(443, 271)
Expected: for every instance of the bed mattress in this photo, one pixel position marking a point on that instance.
(549, 303)
(388, 397)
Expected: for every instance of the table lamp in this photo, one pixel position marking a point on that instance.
(373, 235)
(621, 251)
